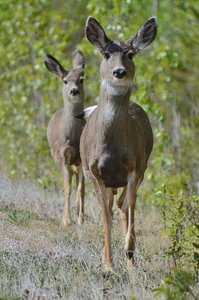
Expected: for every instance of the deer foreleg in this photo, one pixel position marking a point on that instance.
(103, 199)
(131, 200)
(66, 217)
(80, 195)
(121, 203)
(110, 200)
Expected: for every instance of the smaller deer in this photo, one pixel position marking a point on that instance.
(117, 140)
(64, 130)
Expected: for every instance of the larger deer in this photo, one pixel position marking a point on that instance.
(64, 130)
(117, 140)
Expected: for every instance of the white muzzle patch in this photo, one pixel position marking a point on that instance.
(117, 87)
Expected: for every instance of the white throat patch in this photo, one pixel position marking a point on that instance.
(109, 110)
(116, 90)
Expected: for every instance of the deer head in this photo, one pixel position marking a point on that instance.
(117, 67)
(73, 79)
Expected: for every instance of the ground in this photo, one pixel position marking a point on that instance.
(39, 260)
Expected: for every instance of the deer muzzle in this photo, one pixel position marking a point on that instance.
(74, 92)
(119, 73)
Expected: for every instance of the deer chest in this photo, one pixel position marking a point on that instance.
(113, 168)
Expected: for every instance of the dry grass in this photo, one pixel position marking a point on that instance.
(40, 261)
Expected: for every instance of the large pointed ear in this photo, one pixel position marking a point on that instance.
(78, 59)
(145, 35)
(96, 34)
(54, 66)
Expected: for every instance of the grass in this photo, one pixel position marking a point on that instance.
(22, 217)
(40, 261)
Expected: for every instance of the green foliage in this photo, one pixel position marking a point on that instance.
(177, 286)
(28, 92)
(180, 221)
(179, 210)
(23, 217)
(19, 217)
(5, 296)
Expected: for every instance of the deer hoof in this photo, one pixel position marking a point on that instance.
(80, 220)
(130, 258)
(108, 268)
(65, 224)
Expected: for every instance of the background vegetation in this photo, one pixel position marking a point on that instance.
(167, 88)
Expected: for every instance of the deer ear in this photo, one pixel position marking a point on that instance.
(96, 34)
(145, 35)
(78, 59)
(54, 66)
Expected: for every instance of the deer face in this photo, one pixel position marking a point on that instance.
(117, 67)
(73, 84)
(73, 79)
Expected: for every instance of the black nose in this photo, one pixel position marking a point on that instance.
(74, 91)
(119, 73)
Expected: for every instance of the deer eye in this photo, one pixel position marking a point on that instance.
(81, 80)
(65, 81)
(106, 55)
(130, 54)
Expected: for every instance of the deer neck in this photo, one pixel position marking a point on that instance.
(72, 109)
(114, 101)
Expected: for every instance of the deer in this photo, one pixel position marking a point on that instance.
(64, 131)
(117, 140)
